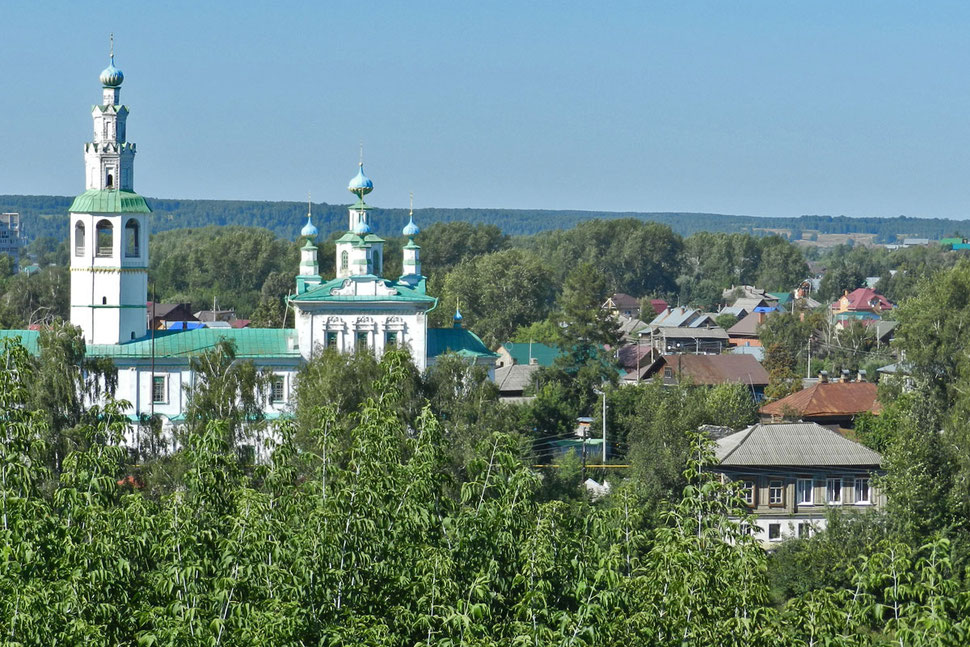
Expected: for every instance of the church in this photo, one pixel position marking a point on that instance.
(358, 310)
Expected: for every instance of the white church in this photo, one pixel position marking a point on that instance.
(358, 310)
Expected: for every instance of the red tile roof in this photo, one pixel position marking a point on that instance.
(658, 305)
(828, 399)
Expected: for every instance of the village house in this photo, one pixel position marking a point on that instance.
(833, 404)
(791, 474)
(706, 370)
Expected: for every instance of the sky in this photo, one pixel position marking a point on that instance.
(759, 107)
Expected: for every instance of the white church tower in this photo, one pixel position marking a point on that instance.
(109, 229)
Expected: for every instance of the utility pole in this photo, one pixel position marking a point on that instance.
(604, 426)
(809, 357)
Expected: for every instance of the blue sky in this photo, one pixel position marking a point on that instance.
(762, 108)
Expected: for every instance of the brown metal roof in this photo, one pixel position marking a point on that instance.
(715, 369)
(747, 325)
(828, 399)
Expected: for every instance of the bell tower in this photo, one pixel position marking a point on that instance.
(109, 229)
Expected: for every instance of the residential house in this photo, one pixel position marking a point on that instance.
(745, 331)
(630, 328)
(162, 315)
(834, 404)
(513, 380)
(792, 473)
(526, 353)
(861, 303)
(668, 340)
(622, 304)
(657, 305)
(708, 370)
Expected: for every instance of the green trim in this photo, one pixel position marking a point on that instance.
(106, 268)
(109, 201)
(108, 306)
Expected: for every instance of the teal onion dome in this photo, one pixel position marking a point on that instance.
(308, 229)
(360, 185)
(111, 77)
(457, 318)
(411, 229)
(361, 228)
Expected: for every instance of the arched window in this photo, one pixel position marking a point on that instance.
(344, 260)
(79, 238)
(109, 181)
(104, 235)
(132, 237)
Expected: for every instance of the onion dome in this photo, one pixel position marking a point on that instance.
(111, 77)
(457, 318)
(360, 185)
(361, 228)
(411, 229)
(308, 229)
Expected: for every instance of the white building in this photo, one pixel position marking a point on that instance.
(356, 311)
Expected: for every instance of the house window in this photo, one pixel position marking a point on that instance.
(158, 389)
(833, 491)
(332, 341)
(774, 532)
(79, 239)
(279, 388)
(804, 530)
(131, 239)
(391, 340)
(361, 341)
(862, 491)
(806, 492)
(747, 493)
(776, 492)
(104, 232)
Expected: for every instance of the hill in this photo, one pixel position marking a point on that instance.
(47, 216)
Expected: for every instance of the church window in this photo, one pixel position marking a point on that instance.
(391, 341)
(79, 239)
(104, 301)
(377, 262)
(332, 341)
(158, 389)
(104, 234)
(109, 181)
(132, 235)
(344, 260)
(279, 388)
(361, 341)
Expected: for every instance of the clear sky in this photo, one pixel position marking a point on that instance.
(760, 107)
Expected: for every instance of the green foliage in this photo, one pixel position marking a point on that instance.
(498, 293)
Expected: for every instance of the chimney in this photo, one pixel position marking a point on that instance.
(533, 361)
(862, 375)
(823, 377)
(845, 375)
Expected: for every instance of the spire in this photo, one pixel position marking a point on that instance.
(111, 77)
(457, 318)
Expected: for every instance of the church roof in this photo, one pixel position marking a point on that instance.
(362, 289)
(250, 343)
(109, 201)
(461, 341)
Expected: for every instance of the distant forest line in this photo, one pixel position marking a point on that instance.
(47, 216)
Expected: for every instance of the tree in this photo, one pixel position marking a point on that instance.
(497, 293)
(227, 390)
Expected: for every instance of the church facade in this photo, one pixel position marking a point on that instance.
(358, 310)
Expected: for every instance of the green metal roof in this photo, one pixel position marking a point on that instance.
(28, 338)
(521, 352)
(782, 297)
(250, 342)
(109, 201)
(461, 341)
(403, 292)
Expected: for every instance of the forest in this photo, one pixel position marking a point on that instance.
(47, 216)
